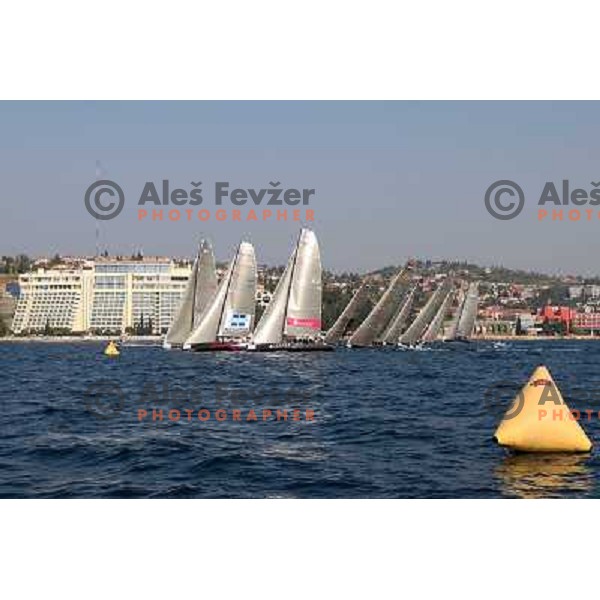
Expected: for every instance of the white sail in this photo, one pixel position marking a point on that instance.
(201, 286)
(392, 333)
(295, 309)
(453, 327)
(231, 310)
(436, 324)
(468, 315)
(270, 327)
(303, 314)
(337, 330)
(184, 318)
(417, 328)
(237, 319)
(206, 283)
(377, 320)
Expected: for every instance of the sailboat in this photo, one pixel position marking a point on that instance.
(201, 286)
(432, 332)
(227, 320)
(466, 315)
(392, 334)
(459, 296)
(338, 329)
(413, 335)
(292, 320)
(377, 320)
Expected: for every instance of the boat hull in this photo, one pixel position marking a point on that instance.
(219, 347)
(363, 346)
(169, 346)
(291, 347)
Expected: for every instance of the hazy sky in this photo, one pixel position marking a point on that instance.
(392, 179)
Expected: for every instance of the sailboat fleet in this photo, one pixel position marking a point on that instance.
(220, 316)
(225, 319)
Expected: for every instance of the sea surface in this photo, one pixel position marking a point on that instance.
(387, 423)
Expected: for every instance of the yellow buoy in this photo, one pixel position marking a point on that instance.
(540, 421)
(111, 349)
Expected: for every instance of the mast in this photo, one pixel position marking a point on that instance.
(193, 281)
(235, 258)
(289, 290)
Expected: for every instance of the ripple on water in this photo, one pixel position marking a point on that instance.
(389, 423)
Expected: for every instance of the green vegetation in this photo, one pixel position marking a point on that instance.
(13, 265)
(557, 294)
(47, 331)
(55, 261)
(502, 328)
(50, 330)
(111, 332)
(557, 328)
(519, 327)
(472, 271)
(142, 327)
(334, 302)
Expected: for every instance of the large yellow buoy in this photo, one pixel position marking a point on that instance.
(112, 349)
(540, 421)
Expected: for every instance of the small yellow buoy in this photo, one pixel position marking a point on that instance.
(540, 421)
(111, 349)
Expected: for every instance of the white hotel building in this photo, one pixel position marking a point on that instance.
(104, 296)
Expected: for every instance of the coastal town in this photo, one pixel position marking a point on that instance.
(138, 295)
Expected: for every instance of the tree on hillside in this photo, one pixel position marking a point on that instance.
(519, 327)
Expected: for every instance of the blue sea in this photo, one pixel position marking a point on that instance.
(381, 423)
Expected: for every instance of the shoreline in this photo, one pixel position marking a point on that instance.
(534, 338)
(69, 339)
(66, 339)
